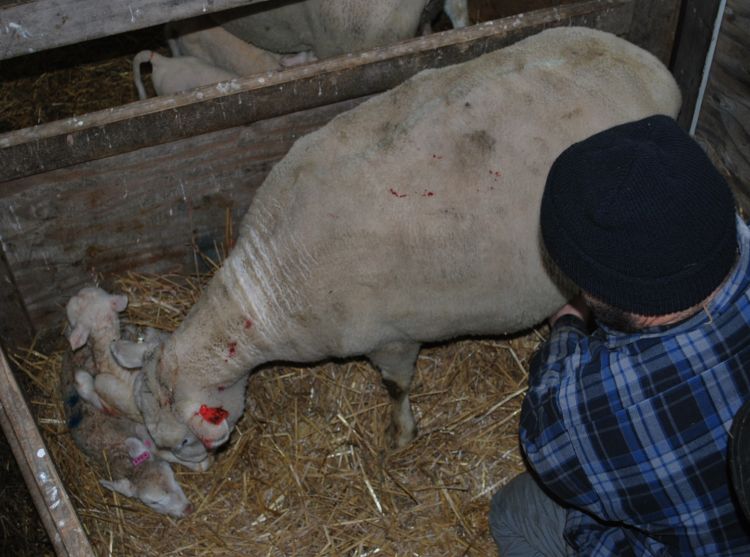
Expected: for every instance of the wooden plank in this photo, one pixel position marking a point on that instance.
(39, 472)
(724, 122)
(483, 10)
(15, 323)
(693, 41)
(655, 26)
(31, 26)
(141, 211)
(154, 121)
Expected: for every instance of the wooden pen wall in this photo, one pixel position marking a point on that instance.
(723, 126)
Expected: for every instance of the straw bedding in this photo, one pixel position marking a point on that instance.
(306, 471)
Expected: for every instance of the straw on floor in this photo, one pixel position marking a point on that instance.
(307, 471)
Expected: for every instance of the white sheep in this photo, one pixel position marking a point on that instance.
(93, 319)
(204, 52)
(331, 28)
(173, 75)
(206, 56)
(411, 218)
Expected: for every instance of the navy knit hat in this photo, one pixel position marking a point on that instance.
(638, 216)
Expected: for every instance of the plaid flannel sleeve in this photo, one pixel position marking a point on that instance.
(548, 447)
(544, 437)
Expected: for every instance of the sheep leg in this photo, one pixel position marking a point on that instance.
(84, 384)
(396, 364)
(458, 12)
(116, 394)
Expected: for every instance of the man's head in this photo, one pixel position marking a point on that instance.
(639, 218)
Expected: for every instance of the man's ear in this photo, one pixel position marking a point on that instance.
(123, 486)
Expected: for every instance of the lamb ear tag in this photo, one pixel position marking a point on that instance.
(214, 415)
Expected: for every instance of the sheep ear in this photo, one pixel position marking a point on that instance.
(135, 447)
(154, 336)
(123, 486)
(118, 302)
(78, 337)
(130, 354)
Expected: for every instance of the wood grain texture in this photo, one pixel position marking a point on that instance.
(39, 472)
(655, 26)
(214, 107)
(692, 44)
(142, 211)
(31, 26)
(724, 121)
(654, 21)
(15, 322)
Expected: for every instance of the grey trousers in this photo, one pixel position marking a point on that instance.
(526, 522)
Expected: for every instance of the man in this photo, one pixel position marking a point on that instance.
(625, 430)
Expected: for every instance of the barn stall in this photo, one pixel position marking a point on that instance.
(160, 198)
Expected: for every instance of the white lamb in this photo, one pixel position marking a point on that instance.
(120, 448)
(102, 382)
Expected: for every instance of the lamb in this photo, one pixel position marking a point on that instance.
(219, 48)
(93, 315)
(120, 446)
(424, 229)
(182, 73)
(173, 75)
(93, 326)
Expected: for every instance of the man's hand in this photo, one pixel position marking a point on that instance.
(577, 307)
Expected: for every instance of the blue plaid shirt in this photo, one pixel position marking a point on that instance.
(630, 430)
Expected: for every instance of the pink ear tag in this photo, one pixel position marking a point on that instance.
(140, 459)
(214, 415)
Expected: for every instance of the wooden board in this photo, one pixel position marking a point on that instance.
(724, 122)
(655, 25)
(15, 322)
(691, 49)
(40, 474)
(653, 28)
(35, 25)
(145, 210)
(160, 120)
